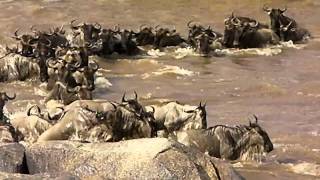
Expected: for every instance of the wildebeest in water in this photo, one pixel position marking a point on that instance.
(245, 142)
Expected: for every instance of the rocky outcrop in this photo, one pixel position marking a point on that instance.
(156, 158)
(12, 158)
(16, 176)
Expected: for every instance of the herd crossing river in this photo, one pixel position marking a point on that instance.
(278, 83)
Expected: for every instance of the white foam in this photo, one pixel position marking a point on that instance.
(102, 82)
(305, 168)
(269, 51)
(168, 69)
(183, 52)
(155, 53)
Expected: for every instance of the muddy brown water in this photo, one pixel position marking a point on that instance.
(283, 90)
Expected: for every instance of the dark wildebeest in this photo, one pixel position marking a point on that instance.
(108, 40)
(286, 27)
(125, 44)
(87, 33)
(203, 40)
(165, 37)
(244, 32)
(173, 116)
(145, 36)
(3, 99)
(239, 142)
(26, 41)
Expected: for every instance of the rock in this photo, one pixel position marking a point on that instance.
(156, 158)
(5, 135)
(12, 158)
(16, 176)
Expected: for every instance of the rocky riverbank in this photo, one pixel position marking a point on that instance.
(155, 158)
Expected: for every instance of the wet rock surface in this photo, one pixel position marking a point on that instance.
(15, 176)
(11, 158)
(156, 158)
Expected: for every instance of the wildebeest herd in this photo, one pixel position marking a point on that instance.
(63, 61)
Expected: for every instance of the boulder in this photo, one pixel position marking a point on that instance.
(153, 158)
(16, 176)
(12, 158)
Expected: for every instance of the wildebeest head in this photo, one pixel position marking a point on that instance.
(197, 118)
(85, 75)
(235, 28)
(27, 41)
(267, 144)
(275, 15)
(194, 29)
(203, 42)
(132, 104)
(89, 32)
(145, 36)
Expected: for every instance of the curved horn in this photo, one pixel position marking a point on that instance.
(135, 95)
(61, 29)
(32, 28)
(235, 21)
(266, 9)
(124, 98)
(96, 66)
(255, 24)
(38, 110)
(10, 98)
(97, 26)
(114, 105)
(52, 64)
(256, 118)
(72, 25)
(142, 26)
(156, 28)
(73, 90)
(188, 24)
(16, 36)
(153, 109)
(283, 10)
(116, 28)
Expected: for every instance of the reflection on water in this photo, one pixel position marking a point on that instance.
(278, 84)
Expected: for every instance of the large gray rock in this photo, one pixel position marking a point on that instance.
(156, 158)
(11, 158)
(16, 176)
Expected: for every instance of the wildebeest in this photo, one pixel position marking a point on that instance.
(3, 99)
(165, 37)
(26, 41)
(286, 27)
(78, 124)
(29, 127)
(202, 39)
(244, 32)
(145, 36)
(246, 142)
(125, 44)
(86, 33)
(174, 116)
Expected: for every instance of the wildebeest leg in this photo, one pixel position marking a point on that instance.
(227, 147)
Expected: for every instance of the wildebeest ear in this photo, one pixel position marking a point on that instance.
(136, 95)
(256, 118)
(124, 97)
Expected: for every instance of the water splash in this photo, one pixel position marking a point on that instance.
(168, 69)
